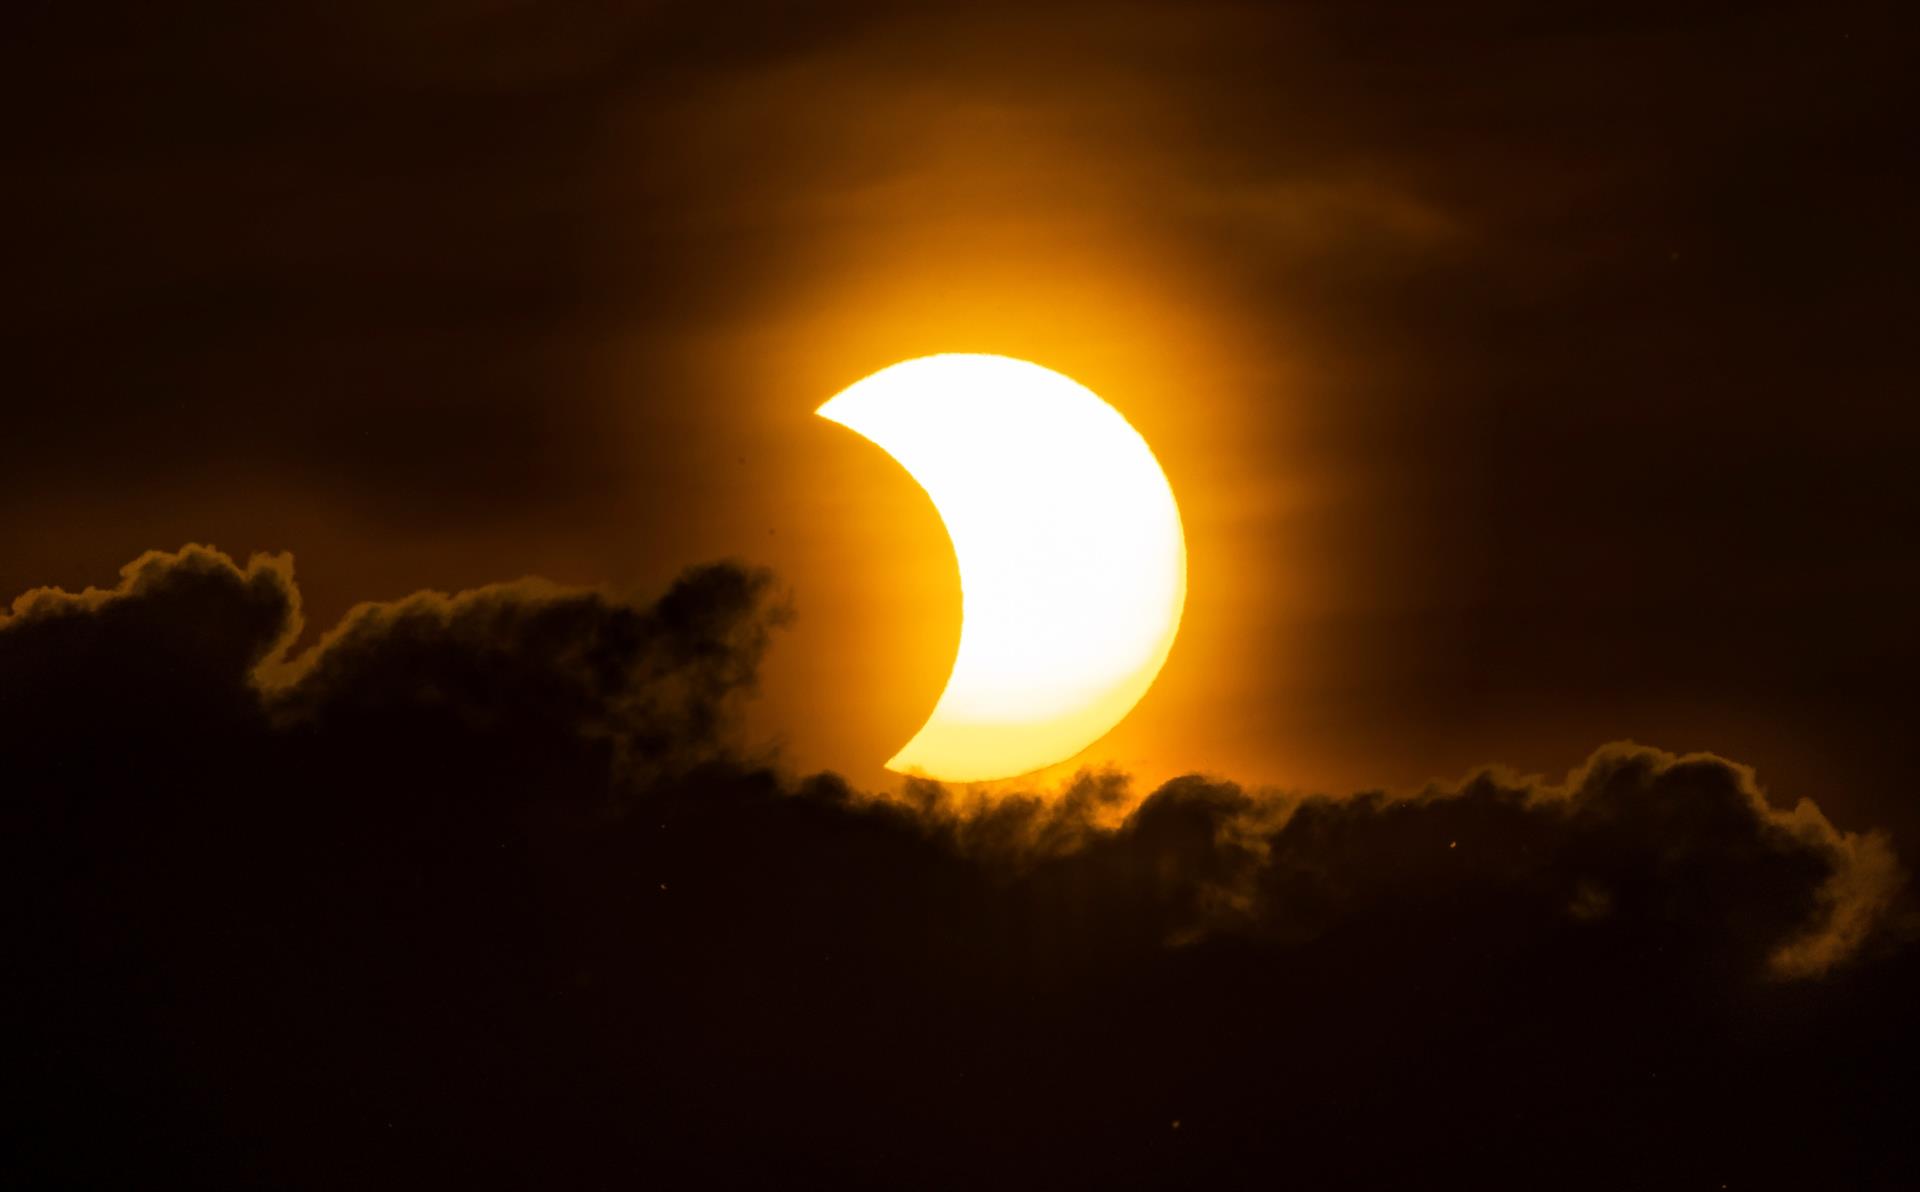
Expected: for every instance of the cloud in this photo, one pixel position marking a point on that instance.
(1689, 844)
(486, 885)
(657, 685)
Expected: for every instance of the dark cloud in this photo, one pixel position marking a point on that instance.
(483, 889)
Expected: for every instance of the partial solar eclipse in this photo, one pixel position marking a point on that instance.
(1073, 567)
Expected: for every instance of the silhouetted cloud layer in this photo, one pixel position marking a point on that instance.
(483, 889)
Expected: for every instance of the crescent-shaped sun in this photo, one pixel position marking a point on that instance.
(1073, 567)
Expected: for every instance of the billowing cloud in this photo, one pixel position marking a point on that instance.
(486, 886)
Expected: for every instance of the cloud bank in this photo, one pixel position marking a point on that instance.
(486, 888)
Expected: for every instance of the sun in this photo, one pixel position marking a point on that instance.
(1073, 565)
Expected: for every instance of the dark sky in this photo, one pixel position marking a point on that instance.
(1531, 377)
(1528, 377)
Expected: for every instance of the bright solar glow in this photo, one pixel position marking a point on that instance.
(1073, 568)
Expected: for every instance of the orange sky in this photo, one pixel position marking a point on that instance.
(1498, 428)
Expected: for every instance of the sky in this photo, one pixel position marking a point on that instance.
(1531, 380)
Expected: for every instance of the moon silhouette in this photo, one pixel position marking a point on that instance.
(1073, 566)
